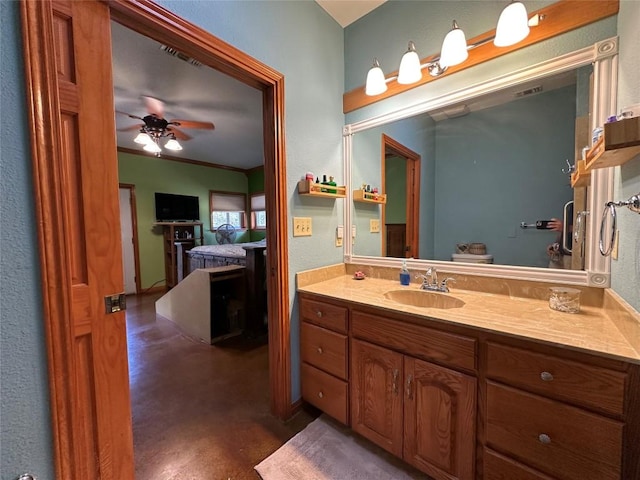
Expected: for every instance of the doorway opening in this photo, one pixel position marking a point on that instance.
(401, 181)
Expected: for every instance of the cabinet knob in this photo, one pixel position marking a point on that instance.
(319, 313)
(320, 350)
(546, 376)
(320, 394)
(544, 438)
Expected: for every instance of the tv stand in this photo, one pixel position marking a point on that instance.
(178, 233)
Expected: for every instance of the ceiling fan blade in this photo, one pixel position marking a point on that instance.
(129, 115)
(180, 135)
(131, 128)
(154, 106)
(193, 124)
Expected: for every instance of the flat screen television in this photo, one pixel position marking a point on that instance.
(173, 208)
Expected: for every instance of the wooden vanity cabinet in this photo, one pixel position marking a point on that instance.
(420, 411)
(463, 403)
(324, 355)
(555, 417)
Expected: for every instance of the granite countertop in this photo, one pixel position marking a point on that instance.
(592, 329)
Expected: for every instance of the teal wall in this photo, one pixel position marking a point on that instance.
(625, 271)
(150, 175)
(25, 427)
(492, 173)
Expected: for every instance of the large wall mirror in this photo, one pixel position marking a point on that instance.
(468, 175)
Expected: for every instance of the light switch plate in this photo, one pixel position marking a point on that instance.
(374, 225)
(302, 227)
(614, 250)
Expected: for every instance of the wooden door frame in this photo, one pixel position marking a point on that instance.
(394, 147)
(134, 226)
(47, 149)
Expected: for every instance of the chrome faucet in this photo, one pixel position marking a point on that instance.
(430, 281)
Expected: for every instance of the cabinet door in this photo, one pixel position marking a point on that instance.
(376, 395)
(439, 420)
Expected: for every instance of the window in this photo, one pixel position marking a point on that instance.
(227, 208)
(258, 212)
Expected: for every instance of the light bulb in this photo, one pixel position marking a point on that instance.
(513, 25)
(173, 144)
(152, 147)
(142, 138)
(376, 83)
(454, 47)
(410, 71)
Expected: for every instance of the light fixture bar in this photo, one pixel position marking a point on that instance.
(513, 27)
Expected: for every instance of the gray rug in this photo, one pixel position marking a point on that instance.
(325, 450)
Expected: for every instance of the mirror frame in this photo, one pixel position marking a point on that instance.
(603, 56)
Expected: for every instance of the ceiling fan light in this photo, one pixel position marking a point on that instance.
(454, 48)
(376, 83)
(152, 147)
(410, 71)
(513, 25)
(173, 144)
(142, 138)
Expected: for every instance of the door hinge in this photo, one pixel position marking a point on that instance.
(115, 303)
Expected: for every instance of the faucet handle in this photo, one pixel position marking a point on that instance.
(444, 284)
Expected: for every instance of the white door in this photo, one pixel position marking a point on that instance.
(126, 234)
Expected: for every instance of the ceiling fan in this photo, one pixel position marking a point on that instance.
(156, 127)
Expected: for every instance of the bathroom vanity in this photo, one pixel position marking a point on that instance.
(492, 384)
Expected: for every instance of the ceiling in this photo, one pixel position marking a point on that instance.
(200, 93)
(189, 92)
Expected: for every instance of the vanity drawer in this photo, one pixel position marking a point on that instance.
(585, 385)
(324, 349)
(324, 314)
(560, 440)
(326, 392)
(499, 467)
(416, 340)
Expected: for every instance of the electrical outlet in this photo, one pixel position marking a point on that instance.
(374, 225)
(302, 227)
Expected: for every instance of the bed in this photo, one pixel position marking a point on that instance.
(208, 256)
(252, 256)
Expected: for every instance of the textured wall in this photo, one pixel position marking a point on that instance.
(25, 428)
(625, 272)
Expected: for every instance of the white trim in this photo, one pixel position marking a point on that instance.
(603, 56)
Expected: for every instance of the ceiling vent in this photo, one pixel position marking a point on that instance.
(528, 91)
(175, 53)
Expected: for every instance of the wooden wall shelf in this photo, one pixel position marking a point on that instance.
(619, 143)
(309, 188)
(368, 197)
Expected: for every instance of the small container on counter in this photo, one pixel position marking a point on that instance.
(564, 299)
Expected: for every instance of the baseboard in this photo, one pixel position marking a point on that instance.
(153, 290)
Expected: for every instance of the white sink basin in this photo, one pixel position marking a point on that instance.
(424, 298)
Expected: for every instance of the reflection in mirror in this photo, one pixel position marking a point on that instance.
(488, 164)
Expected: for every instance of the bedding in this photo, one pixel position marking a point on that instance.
(208, 256)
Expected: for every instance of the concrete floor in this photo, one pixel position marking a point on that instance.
(199, 411)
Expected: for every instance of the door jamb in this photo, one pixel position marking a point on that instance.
(134, 226)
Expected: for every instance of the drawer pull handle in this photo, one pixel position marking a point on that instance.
(410, 387)
(395, 381)
(320, 350)
(544, 438)
(319, 313)
(546, 376)
(321, 395)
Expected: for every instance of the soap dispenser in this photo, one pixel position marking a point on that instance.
(405, 276)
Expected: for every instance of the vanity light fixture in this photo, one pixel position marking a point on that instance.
(513, 27)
